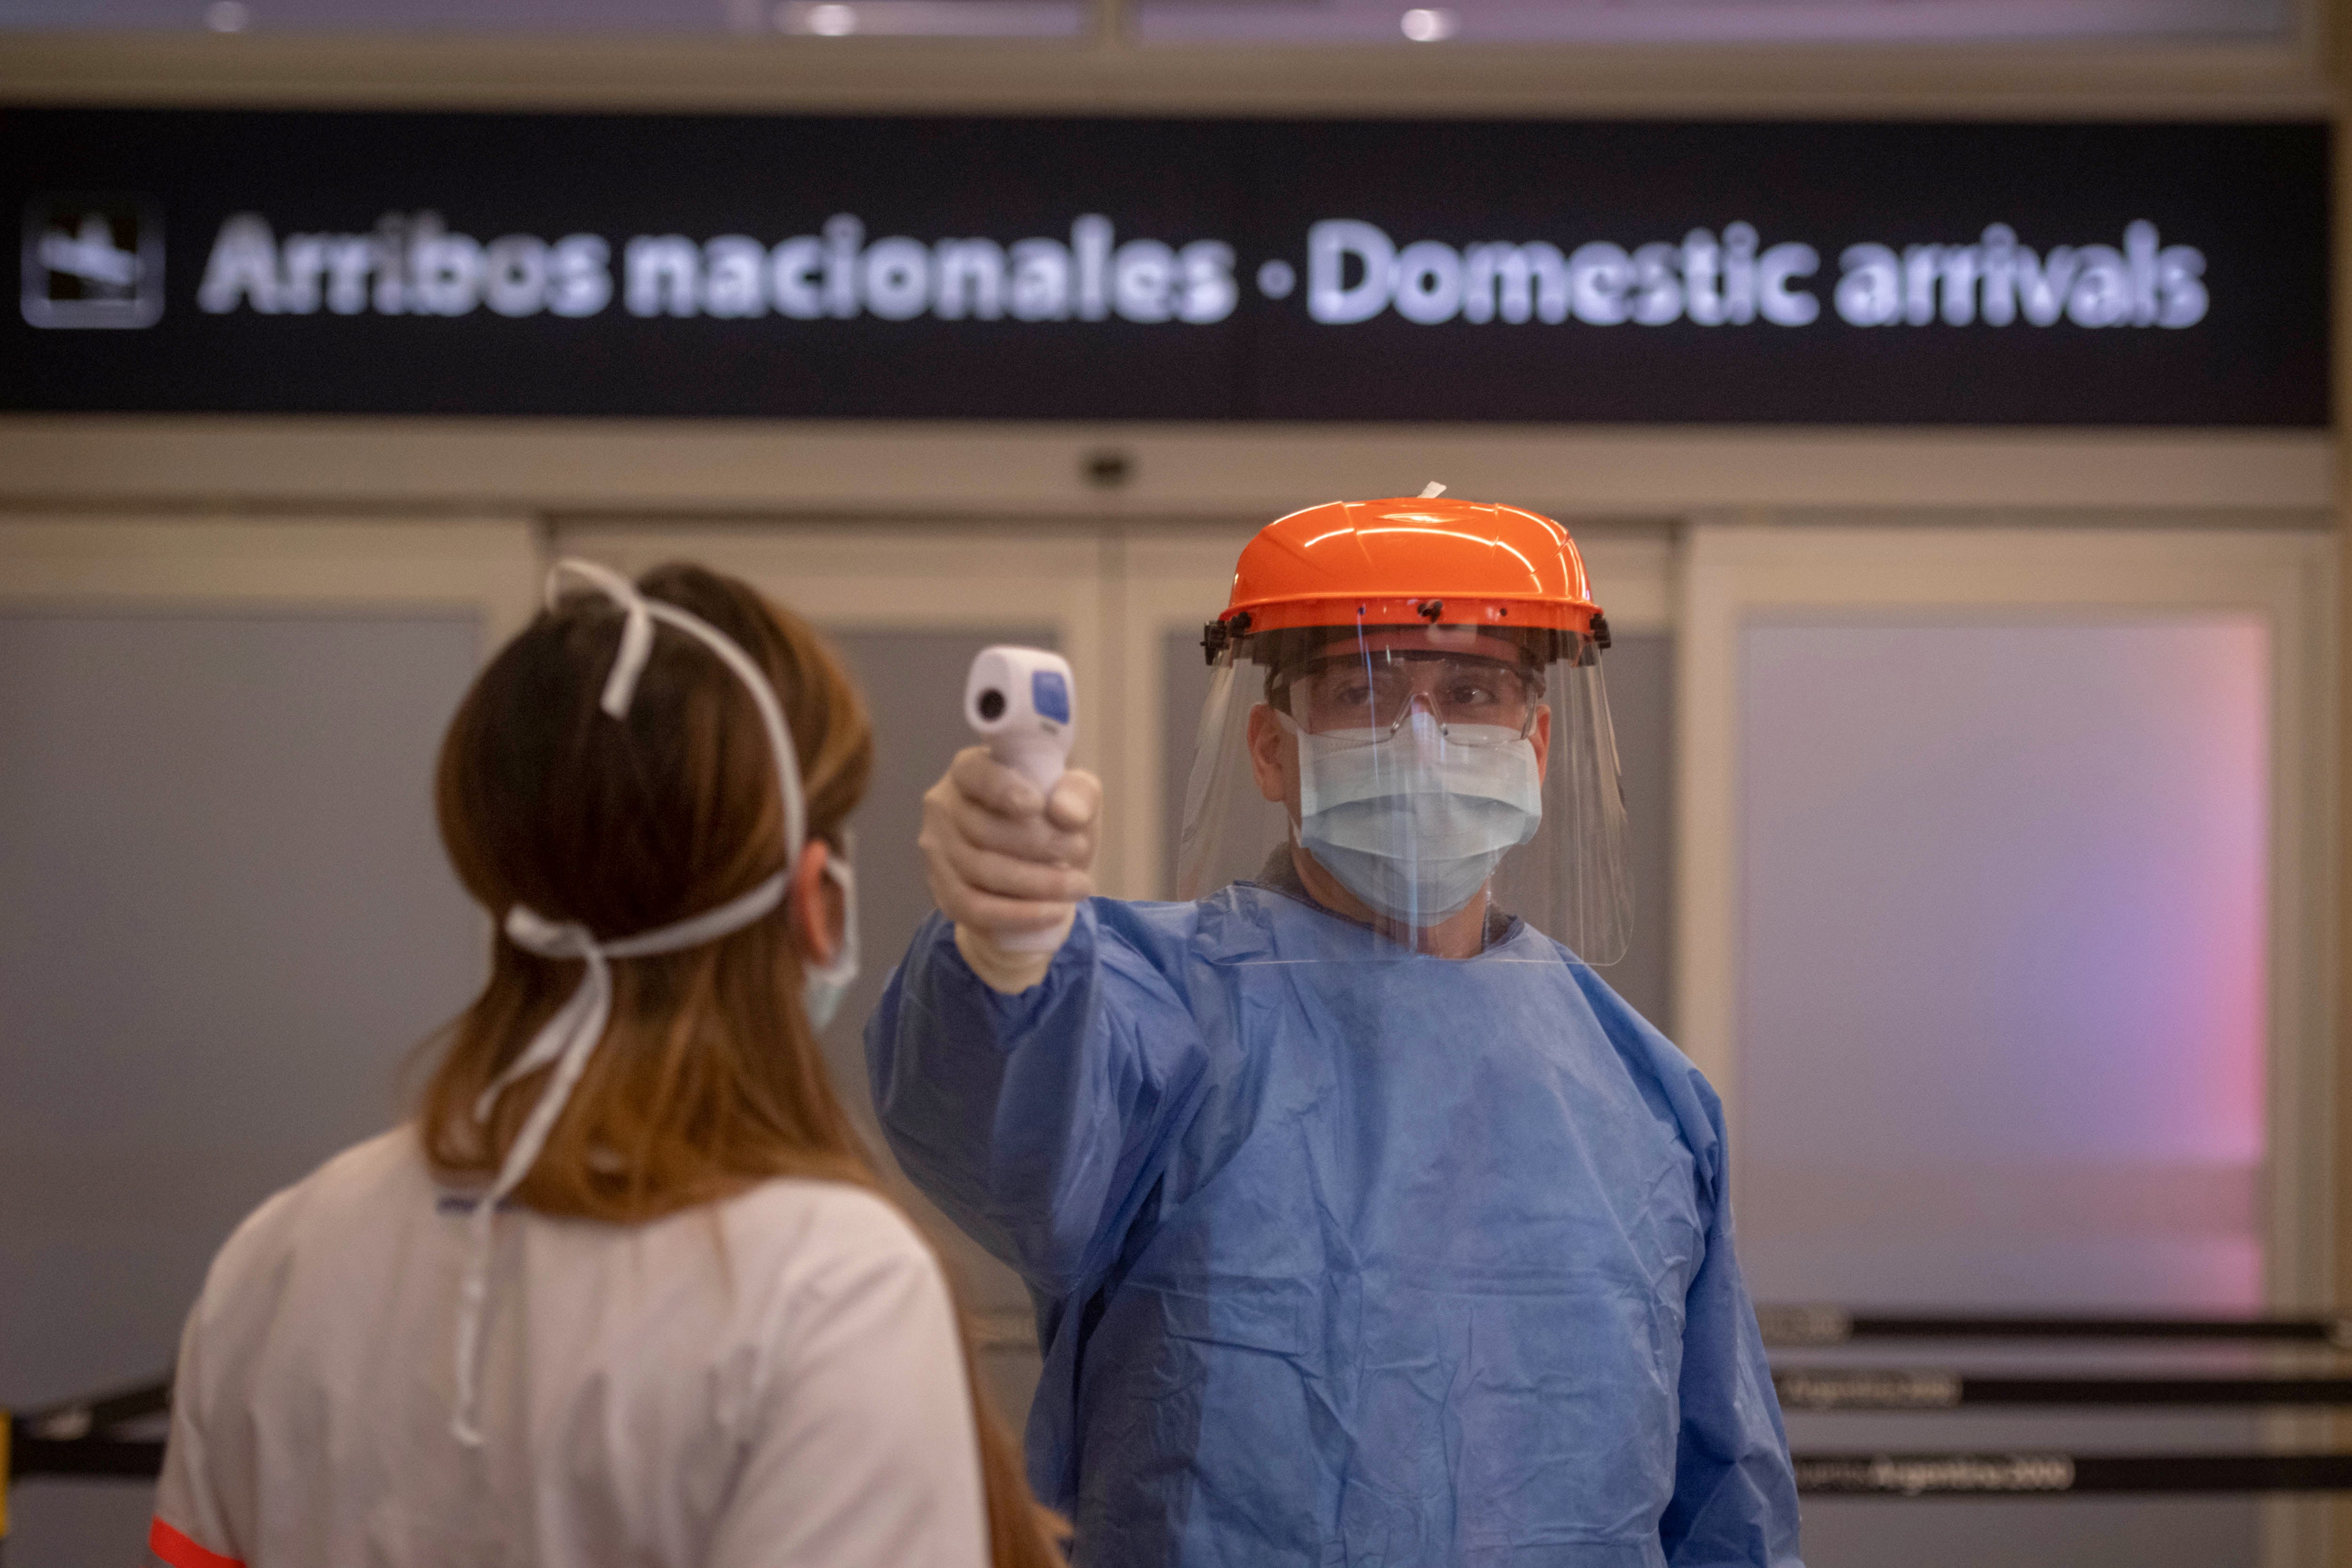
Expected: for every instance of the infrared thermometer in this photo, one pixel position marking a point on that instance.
(1023, 702)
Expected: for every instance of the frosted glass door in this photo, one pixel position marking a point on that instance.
(2003, 1001)
(2001, 1023)
(225, 921)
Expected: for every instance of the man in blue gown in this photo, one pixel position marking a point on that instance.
(1366, 1225)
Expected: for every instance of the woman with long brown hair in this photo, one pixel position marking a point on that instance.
(626, 1291)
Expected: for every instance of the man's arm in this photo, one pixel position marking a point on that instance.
(1031, 1119)
(1027, 1091)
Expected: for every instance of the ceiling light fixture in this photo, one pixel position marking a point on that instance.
(1429, 26)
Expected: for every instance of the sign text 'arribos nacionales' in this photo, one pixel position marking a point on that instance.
(414, 264)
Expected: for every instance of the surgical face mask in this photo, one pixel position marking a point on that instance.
(1414, 821)
(823, 986)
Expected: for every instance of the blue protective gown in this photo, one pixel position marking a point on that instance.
(1344, 1258)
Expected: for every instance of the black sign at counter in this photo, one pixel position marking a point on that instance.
(1622, 272)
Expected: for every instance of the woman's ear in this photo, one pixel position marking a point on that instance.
(815, 914)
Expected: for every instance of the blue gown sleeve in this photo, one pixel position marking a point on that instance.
(1734, 1499)
(1038, 1122)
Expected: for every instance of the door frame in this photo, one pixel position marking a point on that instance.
(489, 566)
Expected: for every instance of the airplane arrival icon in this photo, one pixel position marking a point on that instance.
(92, 263)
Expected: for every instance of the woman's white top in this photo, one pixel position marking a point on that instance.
(774, 1379)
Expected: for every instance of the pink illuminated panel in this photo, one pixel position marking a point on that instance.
(2002, 1002)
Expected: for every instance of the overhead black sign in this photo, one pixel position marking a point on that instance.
(1978, 274)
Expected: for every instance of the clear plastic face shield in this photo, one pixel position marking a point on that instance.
(1429, 782)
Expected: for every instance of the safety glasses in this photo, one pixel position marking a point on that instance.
(1369, 695)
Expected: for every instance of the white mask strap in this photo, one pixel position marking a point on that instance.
(570, 1037)
(636, 650)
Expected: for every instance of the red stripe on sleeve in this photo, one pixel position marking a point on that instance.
(181, 1553)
